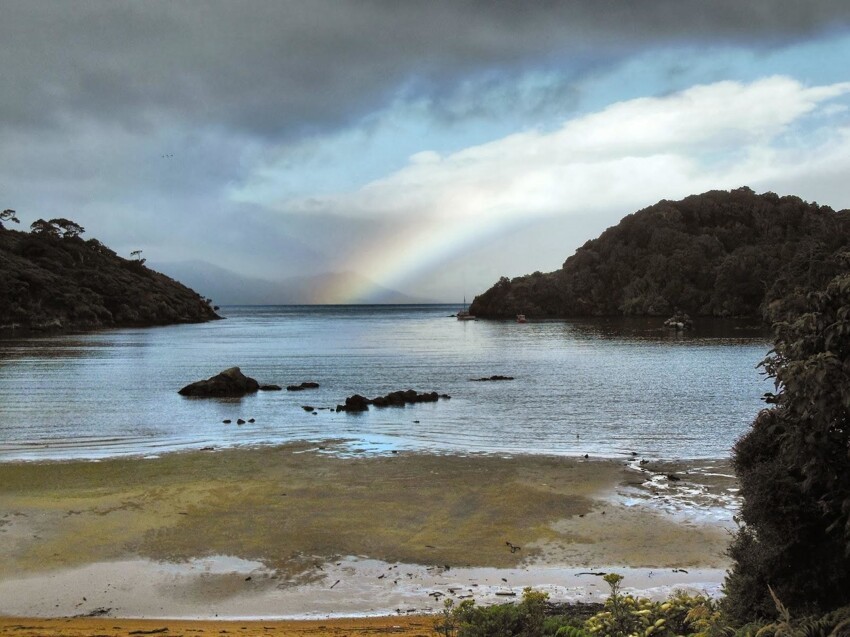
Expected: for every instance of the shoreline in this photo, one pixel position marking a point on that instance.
(263, 530)
(225, 589)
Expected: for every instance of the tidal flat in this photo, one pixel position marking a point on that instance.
(294, 513)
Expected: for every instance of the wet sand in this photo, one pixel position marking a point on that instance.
(273, 532)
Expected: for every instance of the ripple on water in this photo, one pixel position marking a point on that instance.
(602, 388)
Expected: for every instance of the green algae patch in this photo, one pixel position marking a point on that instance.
(277, 504)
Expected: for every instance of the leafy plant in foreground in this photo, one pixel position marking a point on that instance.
(622, 616)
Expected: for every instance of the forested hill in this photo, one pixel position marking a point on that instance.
(723, 254)
(51, 278)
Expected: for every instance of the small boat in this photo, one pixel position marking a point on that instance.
(464, 315)
(520, 318)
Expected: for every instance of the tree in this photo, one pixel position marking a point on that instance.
(69, 228)
(137, 255)
(42, 227)
(8, 215)
(794, 469)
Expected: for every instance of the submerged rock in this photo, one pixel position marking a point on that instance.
(494, 377)
(270, 388)
(229, 383)
(302, 386)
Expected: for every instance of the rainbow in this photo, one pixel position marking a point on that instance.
(401, 258)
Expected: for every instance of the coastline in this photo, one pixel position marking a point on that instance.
(294, 531)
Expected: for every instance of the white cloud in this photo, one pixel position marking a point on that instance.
(774, 133)
(639, 150)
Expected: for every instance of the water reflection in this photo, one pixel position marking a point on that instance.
(604, 387)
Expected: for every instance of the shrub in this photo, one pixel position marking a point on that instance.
(794, 470)
(621, 616)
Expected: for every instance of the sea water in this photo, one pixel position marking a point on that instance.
(598, 387)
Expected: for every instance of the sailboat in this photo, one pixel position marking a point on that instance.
(464, 315)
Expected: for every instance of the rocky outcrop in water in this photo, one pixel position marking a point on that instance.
(229, 383)
(393, 399)
(489, 378)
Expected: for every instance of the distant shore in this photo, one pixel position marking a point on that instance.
(298, 531)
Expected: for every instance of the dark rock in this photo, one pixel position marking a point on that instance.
(227, 422)
(251, 420)
(240, 422)
(307, 407)
(302, 386)
(270, 388)
(393, 399)
(494, 377)
(673, 478)
(230, 382)
(354, 403)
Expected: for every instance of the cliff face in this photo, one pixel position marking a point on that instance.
(54, 282)
(717, 254)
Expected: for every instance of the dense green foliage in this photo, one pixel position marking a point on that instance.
(621, 616)
(715, 254)
(794, 467)
(51, 278)
(628, 616)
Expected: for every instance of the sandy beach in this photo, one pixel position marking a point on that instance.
(300, 531)
(108, 627)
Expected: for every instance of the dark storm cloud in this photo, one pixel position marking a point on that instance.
(280, 68)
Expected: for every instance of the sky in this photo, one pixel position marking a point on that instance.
(430, 147)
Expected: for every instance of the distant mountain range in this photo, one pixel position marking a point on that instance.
(226, 287)
(52, 279)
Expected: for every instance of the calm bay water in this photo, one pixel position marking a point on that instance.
(599, 387)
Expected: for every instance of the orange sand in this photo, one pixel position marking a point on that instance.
(109, 627)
